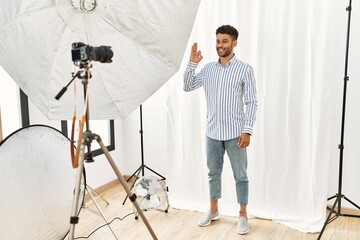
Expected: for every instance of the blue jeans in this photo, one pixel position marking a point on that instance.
(215, 151)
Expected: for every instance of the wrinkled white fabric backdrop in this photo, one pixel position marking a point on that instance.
(297, 49)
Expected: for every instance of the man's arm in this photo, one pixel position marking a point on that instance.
(192, 81)
(250, 110)
(250, 101)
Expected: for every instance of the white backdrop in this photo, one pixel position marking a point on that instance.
(297, 49)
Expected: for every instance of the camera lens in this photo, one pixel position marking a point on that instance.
(103, 54)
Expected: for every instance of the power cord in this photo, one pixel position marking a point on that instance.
(106, 224)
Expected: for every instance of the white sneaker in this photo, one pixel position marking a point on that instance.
(208, 217)
(242, 226)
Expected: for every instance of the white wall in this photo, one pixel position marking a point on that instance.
(9, 104)
(154, 136)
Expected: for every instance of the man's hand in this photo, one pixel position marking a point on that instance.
(195, 55)
(244, 140)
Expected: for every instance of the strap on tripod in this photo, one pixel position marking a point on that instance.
(75, 157)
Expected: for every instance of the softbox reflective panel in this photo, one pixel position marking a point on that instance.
(36, 184)
(148, 39)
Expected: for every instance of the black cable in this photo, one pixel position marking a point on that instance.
(106, 224)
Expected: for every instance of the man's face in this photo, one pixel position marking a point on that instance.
(224, 44)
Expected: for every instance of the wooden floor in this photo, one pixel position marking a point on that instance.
(182, 225)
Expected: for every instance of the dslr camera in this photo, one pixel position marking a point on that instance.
(81, 52)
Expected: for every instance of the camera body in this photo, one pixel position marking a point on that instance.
(81, 52)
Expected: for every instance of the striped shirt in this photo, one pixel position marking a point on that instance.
(230, 93)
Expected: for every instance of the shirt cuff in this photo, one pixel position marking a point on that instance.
(248, 130)
(192, 65)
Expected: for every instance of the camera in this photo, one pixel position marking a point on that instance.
(81, 52)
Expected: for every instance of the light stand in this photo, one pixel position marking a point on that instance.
(339, 196)
(86, 140)
(142, 167)
(99, 211)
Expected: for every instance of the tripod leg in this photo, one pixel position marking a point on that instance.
(162, 177)
(328, 218)
(74, 219)
(354, 204)
(137, 172)
(101, 212)
(132, 196)
(132, 185)
(97, 194)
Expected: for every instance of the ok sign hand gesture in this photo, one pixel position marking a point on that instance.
(195, 55)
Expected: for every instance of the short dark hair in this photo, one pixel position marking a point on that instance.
(227, 29)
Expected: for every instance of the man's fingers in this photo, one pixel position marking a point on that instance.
(242, 143)
(194, 47)
(195, 55)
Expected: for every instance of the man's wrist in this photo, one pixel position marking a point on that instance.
(192, 64)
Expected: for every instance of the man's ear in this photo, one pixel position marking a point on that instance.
(234, 43)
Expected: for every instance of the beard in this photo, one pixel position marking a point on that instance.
(224, 52)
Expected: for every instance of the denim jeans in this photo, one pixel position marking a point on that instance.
(215, 151)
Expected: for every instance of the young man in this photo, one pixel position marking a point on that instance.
(230, 92)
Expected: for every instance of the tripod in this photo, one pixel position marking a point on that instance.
(99, 212)
(339, 196)
(86, 139)
(142, 167)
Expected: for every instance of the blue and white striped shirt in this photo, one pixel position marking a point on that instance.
(227, 89)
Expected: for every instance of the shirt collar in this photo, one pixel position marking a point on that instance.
(232, 60)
